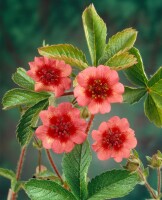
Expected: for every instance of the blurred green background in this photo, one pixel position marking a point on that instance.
(24, 24)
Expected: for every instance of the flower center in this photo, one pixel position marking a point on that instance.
(113, 139)
(49, 75)
(61, 128)
(98, 89)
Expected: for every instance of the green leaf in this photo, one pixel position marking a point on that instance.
(155, 78)
(112, 184)
(70, 54)
(22, 79)
(47, 190)
(157, 88)
(17, 97)
(153, 108)
(133, 95)
(136, 73)
(9, 174)
(120, 42)
(75, 168)
(121, 60)
(95, 32)
(27, 121)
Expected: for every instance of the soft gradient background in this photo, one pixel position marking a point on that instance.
(25, 24)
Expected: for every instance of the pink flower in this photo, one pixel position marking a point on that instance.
(114, 139)
(97, 88)
(62, 128)
(50, 75)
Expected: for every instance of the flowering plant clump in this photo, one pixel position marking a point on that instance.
(65, 128)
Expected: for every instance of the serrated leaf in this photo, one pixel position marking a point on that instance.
(95, 32)
(47, 190)
(136, 73)
(22, 79)
(155, 78)
(67, 52)
(120, 42)
(121, 61)
(17, 97)
(112, 184)
(75, 168)
(153, 108)
(9, 174)
(133, 95)
(24, 129)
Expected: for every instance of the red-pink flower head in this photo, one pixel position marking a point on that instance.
(97, 88)
(114, 139)
(50, 75)
(62, 128)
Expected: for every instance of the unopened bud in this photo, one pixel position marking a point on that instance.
(156, 160)
(132, 164)
(85, 113)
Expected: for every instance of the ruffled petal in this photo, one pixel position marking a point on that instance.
(79, 137)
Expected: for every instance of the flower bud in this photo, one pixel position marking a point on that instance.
(156, 160)
(85, 113)
(132, 164)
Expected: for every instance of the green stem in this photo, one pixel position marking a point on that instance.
(53, 165)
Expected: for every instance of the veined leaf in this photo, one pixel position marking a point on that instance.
(157, 88)
(153, 108)
(17, 97)
(47, 190)
(136, 73)
(22, 79)
(112, 184)
(95, 32)
(9, 174)
(120, 42)
(70, 54)
(75, 168)
(156, 77)
(133, 95)
(27, 121)
(121, 60)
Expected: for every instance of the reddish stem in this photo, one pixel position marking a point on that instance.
(20, 163)
(147, 185)
(11, 194)
(89, 123)
(68, 93)
(53, 165)
(159, 180)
